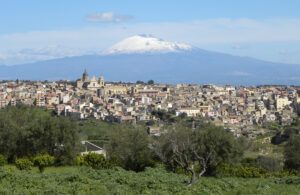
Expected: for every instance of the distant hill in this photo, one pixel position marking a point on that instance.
(145, 58)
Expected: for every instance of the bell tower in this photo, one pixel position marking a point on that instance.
(101, 81)
(85, 76)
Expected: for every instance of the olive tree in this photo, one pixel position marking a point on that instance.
(28, 131)
(129, 145)
(205, 147)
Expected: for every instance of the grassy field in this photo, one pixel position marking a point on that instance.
(83, 180)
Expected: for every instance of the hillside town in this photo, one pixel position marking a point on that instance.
(241, 110)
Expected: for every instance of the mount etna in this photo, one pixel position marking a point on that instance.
(143, 57)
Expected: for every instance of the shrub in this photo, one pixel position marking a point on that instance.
(43, 161)
(285, 173)
(96, 161)
(80, 160)
(226, 170)
(269, 163)
(24, 164)
(2, 160)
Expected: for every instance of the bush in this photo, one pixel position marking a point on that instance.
(23, 164)
(3, 160)
(80, 160)
(96, 161)
(43, 161)
(269, 163)
(226, 170)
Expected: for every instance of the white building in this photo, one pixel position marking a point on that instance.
(189, 111)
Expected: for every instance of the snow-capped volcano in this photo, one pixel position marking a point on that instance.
(145, 43)
(168, 62)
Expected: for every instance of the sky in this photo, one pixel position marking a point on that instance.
(34, 30)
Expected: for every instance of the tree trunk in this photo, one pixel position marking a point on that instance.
(174, 167)
(192, 177)
(201, 173)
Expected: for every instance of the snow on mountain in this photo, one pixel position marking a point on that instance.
(145, 44)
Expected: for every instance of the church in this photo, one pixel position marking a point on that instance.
(98, 85)
(85, 83)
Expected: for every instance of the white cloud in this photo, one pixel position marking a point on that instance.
(29, 55)
(104, 17)
(196, 33)
(214, 31)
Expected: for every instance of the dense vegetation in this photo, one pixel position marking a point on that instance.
(33, 139)
(72, 180)
(28, 131)
(197, 149)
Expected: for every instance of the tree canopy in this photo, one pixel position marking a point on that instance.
(203, 147)
(292, 153)
(130, 146)
(28, 131)
(150, 82)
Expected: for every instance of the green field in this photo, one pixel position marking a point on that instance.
(84, 180)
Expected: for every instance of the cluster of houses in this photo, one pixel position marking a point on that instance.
(239, 109)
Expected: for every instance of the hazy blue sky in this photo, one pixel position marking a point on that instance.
(36, 30)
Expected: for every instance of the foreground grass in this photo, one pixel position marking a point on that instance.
(84, 180)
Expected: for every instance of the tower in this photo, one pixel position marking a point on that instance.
(85, 76)
(101, 81)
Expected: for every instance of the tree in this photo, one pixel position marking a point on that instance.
(150, 82)
(129, 144)
(43, 161)
(292, 153)
(28, 131)
(162, 114)
(140, 82)
(205, 147)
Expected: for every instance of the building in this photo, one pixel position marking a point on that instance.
(85, 83)
(281, 102)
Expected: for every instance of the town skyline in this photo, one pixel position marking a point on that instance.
(239, 109)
